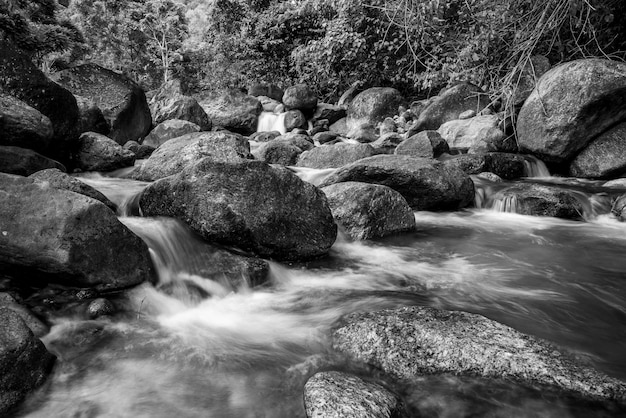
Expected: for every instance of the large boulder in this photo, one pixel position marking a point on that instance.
(539, 200)
(24, 162)
(480, 132)
(249, 204)
(176, 154)
(335, 155)
(233, 110)
(425, 144)
(425, 184)
(300, 97)
(271, 91)
(283, 150)
(179, 108)
(504, 165)
(410, 342)
(604, 157)
(571, 105)
(24, 361)
(97, 152)
(329, 112)
(448, 105)
(60, 180)
(20, 78)
(339, 395)
(166, 130)
(367, 211)
(122, 102)
(58, 236)
(373, 106)
(23, 126)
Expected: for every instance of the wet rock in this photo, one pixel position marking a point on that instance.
(23, 126)
(507, 166)
(24, 360)
(141, 151)
(60, 180)
(486, 175)
(233, 110)
(20, 78)
(300, 97)
(616, 183)
(480, 132)
(248, 204)
(449, 105)
(58, 236)
(368, 211)
(100, 307)
(425, 144)
(97, 152)
(123, 103)
(169, 129)
(373, 106)
(387, 143)
(541, 200)
(338, 395)
(269, 104)
(425, 184)
(24, 162)
(294, 119)
(91, 118)
(264, 136)
(38, 328)
(618, 208)
(329, 112)
(178, 107)
(410, 342)
(334, 156)
(604, 157)
(283, 150)
(557, 120)
(176, 154)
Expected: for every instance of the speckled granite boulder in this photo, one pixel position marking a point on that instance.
(413, 341)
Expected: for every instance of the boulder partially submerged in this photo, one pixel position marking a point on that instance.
(414, 341)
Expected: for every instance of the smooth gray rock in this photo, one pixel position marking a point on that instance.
(97, 152)
(340, 395)
(122, 101)
(413, 341)
(507, 166)
(233, 110)
(24, 162)
(540, 200)
(38, 328)
(58, 236)
(169, 129)
(179, 107)
(425, 184)
(60, 180)
(300, 97)
(176, 154)
(334, 156)
(604, 157)
(248, 204)
(558, 119)
(367, 211)
(373, 105)
(23, 126)
(283, 150)
(425, 144)
(24, 360)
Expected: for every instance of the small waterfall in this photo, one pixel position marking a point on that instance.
(315, 176)
(124, 193)
(534, 167)
(269, 121)
(506, 204)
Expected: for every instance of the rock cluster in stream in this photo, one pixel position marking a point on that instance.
(237, 189)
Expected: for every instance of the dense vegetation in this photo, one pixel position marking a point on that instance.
(414, 45)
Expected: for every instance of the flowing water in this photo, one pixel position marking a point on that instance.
(217, 350)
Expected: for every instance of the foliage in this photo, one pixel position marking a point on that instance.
(138, 37)
(34, 27)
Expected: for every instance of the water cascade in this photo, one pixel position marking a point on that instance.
(269, 121)
(197, 346)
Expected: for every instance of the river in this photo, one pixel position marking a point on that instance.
(211, 349)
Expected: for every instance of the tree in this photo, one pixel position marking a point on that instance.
(163, 22)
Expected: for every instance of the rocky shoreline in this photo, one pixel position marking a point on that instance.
(237, 188)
